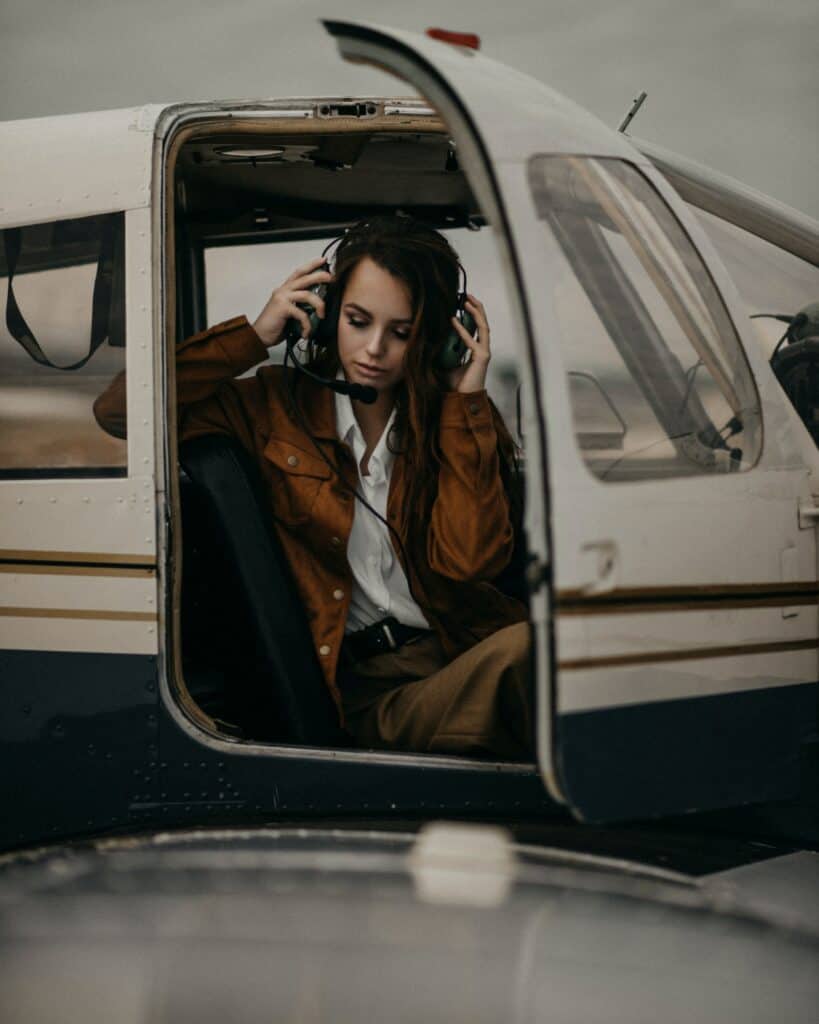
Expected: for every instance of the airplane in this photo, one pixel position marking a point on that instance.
(157, 672)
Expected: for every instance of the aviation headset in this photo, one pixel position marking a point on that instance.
(796, 364)
(321, 331)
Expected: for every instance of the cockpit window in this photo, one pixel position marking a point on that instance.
(658, 380)
(62, 338)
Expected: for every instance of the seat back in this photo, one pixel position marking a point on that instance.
(240, 528)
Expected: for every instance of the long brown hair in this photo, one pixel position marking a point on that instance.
(422, 259)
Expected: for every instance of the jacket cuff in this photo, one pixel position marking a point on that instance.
(466, 410)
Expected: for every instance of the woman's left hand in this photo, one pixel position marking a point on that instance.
(472, 375)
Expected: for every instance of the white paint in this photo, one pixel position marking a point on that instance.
(77, 635)
(75, 165)
(624, 686)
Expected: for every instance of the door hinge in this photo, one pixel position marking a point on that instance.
(537, 573)
(351, 108)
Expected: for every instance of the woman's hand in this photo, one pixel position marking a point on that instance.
(281, 305)
(472, 375)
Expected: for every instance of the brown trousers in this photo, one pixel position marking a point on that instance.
(480, 703)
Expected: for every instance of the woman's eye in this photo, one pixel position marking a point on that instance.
(403, 335)
(356, 323)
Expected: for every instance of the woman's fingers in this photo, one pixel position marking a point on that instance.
(309, 280)
(316, 301)
(299, 314)
(479, 344)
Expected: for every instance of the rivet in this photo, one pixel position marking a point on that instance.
(324, 650)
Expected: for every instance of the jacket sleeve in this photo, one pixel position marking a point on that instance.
(470, 535)
(208, 399)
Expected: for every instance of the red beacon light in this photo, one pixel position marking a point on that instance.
(467, 39)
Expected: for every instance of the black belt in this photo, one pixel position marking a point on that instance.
(387, 635)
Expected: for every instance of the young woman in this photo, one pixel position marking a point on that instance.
(396, 516)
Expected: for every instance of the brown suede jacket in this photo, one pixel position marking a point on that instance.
(469, 538)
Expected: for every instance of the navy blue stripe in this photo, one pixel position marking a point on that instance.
(669, 757)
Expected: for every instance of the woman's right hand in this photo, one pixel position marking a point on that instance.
(281, 306)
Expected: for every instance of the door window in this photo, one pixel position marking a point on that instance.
(658, 380)
(62, 339)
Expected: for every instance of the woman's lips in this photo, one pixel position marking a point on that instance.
(369, 371)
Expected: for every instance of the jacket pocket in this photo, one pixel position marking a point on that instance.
(298, 481)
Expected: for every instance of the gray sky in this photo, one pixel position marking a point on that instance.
(731, 83)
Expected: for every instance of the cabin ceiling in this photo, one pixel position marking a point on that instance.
(239, 183)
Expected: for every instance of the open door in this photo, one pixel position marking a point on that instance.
(674, 592)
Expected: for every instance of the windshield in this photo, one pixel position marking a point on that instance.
(658, 379)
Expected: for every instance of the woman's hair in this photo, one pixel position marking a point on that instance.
(422, 259)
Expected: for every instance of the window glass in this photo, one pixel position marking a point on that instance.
(240, 278)
(769, 279)
(658, 380)
(62, 339)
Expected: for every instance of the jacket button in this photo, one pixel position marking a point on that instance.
(292, 460)
(324, 650)
(474, 408)
(338, 594)
(336, 542)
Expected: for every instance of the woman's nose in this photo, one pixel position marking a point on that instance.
(375, 341)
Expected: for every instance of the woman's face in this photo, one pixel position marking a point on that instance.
(374, 326)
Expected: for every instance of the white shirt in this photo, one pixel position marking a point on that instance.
(379, 585)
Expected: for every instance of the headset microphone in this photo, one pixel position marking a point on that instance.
(359, 392)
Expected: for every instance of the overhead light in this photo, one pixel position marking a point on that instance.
(242, 153)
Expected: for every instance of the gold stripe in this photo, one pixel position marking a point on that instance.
(649, 657)
(76, 613)
(78, 570)
(77, 557)
(629, 600)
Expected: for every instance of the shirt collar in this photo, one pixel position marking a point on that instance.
(349, 431)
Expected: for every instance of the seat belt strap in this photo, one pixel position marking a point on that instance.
(16, 323)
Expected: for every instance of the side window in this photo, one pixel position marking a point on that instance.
(62, 339)
(658, 380)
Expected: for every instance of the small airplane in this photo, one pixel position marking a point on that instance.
(155, 665)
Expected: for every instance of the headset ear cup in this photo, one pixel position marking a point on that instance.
(453, 350)
(327, 329)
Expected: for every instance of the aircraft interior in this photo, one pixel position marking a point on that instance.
(249, 207)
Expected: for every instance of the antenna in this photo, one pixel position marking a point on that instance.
(635, 106)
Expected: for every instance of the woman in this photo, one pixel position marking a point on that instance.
(418, 647)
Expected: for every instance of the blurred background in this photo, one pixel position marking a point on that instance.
(731, 83)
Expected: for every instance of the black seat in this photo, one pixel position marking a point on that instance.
(248, 655)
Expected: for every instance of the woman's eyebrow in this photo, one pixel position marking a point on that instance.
(366, 312)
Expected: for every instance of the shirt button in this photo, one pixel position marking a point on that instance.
(338, 594)
(324, 650)
(474, 408)
(292, 460)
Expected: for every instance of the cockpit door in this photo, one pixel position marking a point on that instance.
(674, 595)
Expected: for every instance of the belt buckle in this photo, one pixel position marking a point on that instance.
(385, 629)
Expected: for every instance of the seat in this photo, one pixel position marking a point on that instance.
(248, 655)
